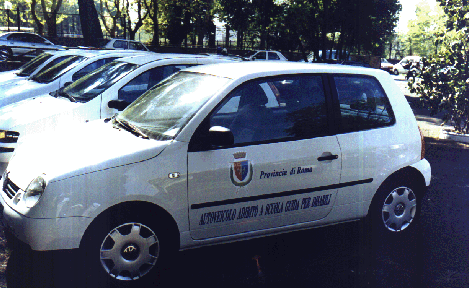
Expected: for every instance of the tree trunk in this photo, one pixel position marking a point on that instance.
(51, 25)
(156, 28)
(227, 36)
(91, 29)
(239, 39)
(38, 23)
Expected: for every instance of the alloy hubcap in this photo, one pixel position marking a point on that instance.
(399, 209)
(129, 251)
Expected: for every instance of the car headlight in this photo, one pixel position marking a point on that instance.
(8, 136)
(34, 191)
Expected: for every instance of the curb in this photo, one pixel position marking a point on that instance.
(446, 134)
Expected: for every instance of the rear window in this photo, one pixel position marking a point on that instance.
(363, 103)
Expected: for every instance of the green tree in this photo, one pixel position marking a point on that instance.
(428, 25)
(444, 81)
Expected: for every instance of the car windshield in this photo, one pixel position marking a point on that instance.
(161, 112)
(32, 65)
(57, 70)
(86, 88)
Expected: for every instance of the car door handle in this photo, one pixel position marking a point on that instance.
(327, 158)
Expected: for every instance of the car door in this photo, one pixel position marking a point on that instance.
(17, 44)
(282, 167)
(365, 117)
(142, 82)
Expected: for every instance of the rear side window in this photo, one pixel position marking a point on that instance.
(363, 103)
(273, 56)
(120, 44)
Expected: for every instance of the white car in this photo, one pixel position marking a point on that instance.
(77, 65)
(24, 44)
(261, 55)
(101, 94)
(38, 64)
(220, 153)
(125, 44)
(405, 64)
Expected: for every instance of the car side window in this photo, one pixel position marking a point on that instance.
(136, 46)
(90, 67)
(15, 37)
(273, 56)
(260, 55)
(291, 107)
(120, 44)
(140, 84)
(363, 103)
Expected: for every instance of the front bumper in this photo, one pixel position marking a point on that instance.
(43, 234)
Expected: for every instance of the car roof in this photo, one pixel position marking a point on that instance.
(90, 53)
(241, 69)
(151, 56)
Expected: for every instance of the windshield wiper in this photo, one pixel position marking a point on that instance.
(131, 128)
(66, 95)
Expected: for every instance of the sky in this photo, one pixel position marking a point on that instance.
(408, 12)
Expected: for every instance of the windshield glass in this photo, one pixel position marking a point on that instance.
(86, 88)
(32, 65)
(57, 70)
(161, 112)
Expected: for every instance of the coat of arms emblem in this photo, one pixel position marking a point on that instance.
(241, 171)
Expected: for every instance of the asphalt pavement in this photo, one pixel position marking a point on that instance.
(435, 255)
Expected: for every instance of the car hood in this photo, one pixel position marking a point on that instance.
(33, 109)
(10, 76)
(18, 90)
(83, 149)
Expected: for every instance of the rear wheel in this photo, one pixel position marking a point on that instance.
(396, 207)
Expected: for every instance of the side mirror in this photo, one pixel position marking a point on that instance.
(118, 104)
(220, 136)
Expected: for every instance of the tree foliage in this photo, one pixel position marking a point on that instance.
(444, 82)
(425, 29)
(360, 25)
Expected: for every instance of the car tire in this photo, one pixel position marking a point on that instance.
(125, 250)
(396, 207)
(395, 72)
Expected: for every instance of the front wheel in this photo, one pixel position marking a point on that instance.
(124, 251)
(395, 72)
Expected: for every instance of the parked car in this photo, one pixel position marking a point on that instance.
(355, 63)
(261, 55)
(221, 153)
(385, 65)
(62, 74)
(38, 64)
(331, 55)
(125, 44)
(405, 64)
(24, 44)
(100, 94)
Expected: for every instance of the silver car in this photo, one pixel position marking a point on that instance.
(24, 44)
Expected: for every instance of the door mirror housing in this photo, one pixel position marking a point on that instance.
(118, 104)
(220, 136)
